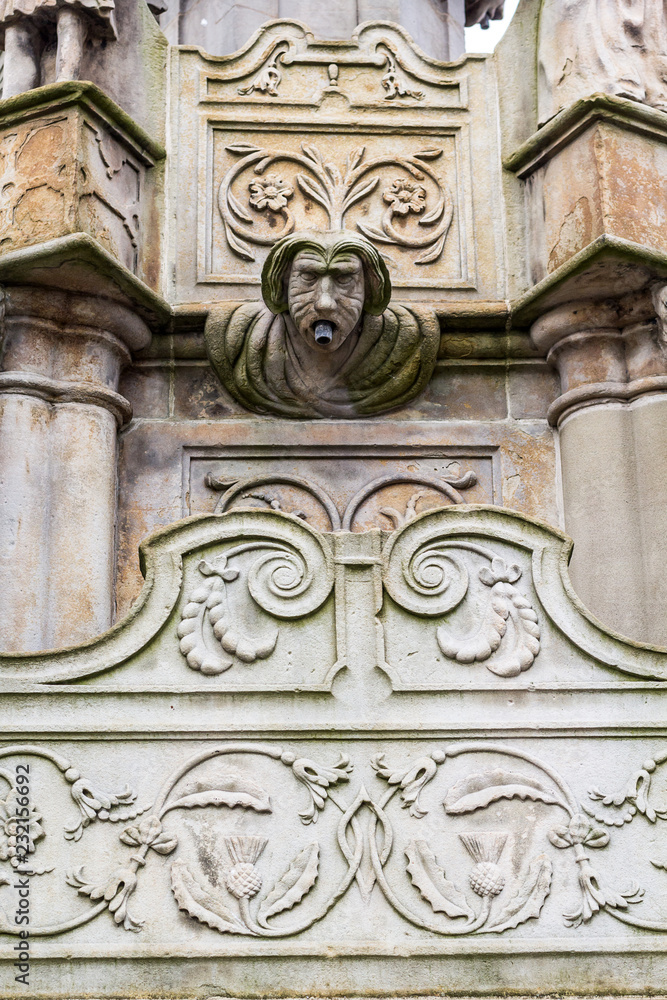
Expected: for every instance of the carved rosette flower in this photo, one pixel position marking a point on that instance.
(405, 196)
(8, 831)
(270, 192)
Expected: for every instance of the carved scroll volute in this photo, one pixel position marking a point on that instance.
(429, 570)
(284, 566)
(422, 576)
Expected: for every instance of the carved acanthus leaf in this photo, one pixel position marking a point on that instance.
(197, 902)
(505, 605)
(290, 889)
(429, 878)
(231, 791)
(527, 902)
(477, 791)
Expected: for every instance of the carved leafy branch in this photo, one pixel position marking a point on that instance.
(336, 190)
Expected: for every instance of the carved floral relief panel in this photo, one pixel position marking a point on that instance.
(214, 846)
(353, 489)
(368, 135)
(276, 758)
(403, 192)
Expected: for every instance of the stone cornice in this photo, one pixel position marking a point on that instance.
(77, 262)
(58, 96)
(593, 273)
(572, 121)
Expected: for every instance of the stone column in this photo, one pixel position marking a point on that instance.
(59, 417)
(612, 422)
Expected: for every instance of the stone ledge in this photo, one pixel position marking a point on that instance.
(81, 93)
(571, 122)
(77, 262)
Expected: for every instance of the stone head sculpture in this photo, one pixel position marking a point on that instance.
(325, 282)
(325, 341)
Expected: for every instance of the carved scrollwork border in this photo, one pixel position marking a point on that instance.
(161, 557)
(364, 832)
(548, 552)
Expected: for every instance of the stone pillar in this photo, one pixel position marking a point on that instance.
(59, 417)
(612, 423)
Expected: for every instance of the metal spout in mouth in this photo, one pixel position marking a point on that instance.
(323, 333)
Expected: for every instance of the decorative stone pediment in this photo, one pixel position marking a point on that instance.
(369, 135)
(462, 596)
(295, 733)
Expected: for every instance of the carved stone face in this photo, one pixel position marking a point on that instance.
(331, 292)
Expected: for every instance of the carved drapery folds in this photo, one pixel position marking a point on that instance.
(609, 46)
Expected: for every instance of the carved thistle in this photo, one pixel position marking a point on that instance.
(356, 836)
(326, 343)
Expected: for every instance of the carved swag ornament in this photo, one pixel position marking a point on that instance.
(324, 343)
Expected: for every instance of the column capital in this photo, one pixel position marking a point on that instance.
(607, 349)
(67, 347)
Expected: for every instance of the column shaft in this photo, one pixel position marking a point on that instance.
(59, 417)
(25, 500)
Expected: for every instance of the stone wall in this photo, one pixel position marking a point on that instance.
(315, 339)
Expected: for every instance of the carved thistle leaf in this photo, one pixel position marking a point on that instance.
(529, 899)
(197, 902)
(477, 791)
(429, 878)
(290, 889)
(231, 791)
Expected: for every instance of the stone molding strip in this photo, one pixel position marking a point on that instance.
(60, 391)
(602, 392)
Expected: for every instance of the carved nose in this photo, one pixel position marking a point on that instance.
(323, 333)
(325, 301)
